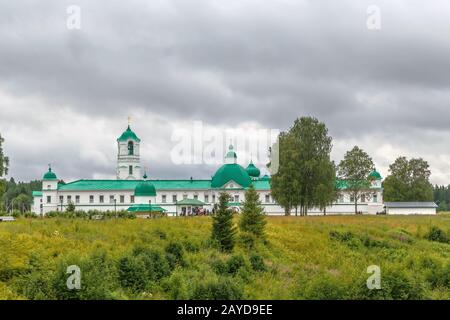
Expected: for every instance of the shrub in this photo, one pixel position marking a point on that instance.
(395, 285)
(132, 273)
(248, 240)
(217, 289)
(176, 287)
(98, 278)
(438, 235)
(219, 267)
(324, 287)
(235, 263)
(439, 276)
(257, 262)
(190, 246)
(174, 254)
(141, 269)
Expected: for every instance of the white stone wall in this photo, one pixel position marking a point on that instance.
(84, 203)
(411, 211)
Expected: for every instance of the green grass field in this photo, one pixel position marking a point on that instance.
(303, 258)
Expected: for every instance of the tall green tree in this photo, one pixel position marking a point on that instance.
(253, 218)
(355, 170)
(282, 168)
(4, 160)
(22, 202)
(409, 180)
(306, 175)
(223, 230)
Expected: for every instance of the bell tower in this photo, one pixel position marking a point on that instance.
(128, 159)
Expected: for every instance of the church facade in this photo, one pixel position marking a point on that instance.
(133, 191)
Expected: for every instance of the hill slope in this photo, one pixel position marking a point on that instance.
(172, 258)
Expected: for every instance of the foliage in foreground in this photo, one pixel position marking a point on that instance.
(173, 258)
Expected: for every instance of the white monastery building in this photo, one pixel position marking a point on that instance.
(132, 191)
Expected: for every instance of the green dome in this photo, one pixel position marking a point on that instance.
(265, 178)
(128, 135)
(231, 172)
(145, 189)
(375, 175)
(50, 175)
(253, 171)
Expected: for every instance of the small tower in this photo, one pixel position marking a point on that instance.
(231, 157)
(49, 191)
(128, 159)
(49, 180)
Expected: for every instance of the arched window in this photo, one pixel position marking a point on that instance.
(130, 148)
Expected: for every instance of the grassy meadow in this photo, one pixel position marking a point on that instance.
(173, 258)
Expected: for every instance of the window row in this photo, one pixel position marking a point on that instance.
(122, 199)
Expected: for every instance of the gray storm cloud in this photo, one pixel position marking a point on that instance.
(65, 94)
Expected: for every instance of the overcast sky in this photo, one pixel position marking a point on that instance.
(65, 95)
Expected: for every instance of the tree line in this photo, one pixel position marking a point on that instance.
(304, 176)
(441, 196)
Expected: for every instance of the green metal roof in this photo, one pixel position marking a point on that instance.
(190, 202)
(145, 189)
(128, 135)
(261, 184)
(113, 185)
(37, 193)
(231, 172)
(145, 208)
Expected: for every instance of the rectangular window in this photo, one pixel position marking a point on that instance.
(213, 198)
(267, 198)
(77, 199)
(196, 197)
(69, 199)
(49, 199)
(122, 199)
(111, 199)
(363, 198)
(174, 198)
(102, 199)
(91, 199)
(236, 198)
(61, 199)
(130, 170)
(375, 197)
(184, 196)
(131, 199)
(164, 198)
(206, 198)
(352, 199)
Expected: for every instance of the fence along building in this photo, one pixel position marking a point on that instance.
(133, 192)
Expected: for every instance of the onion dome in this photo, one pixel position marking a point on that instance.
(145, 188)
(265, 178)
(231, 172)
(128, 135)
(253, 171)
(375, 175)
(49, 175)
